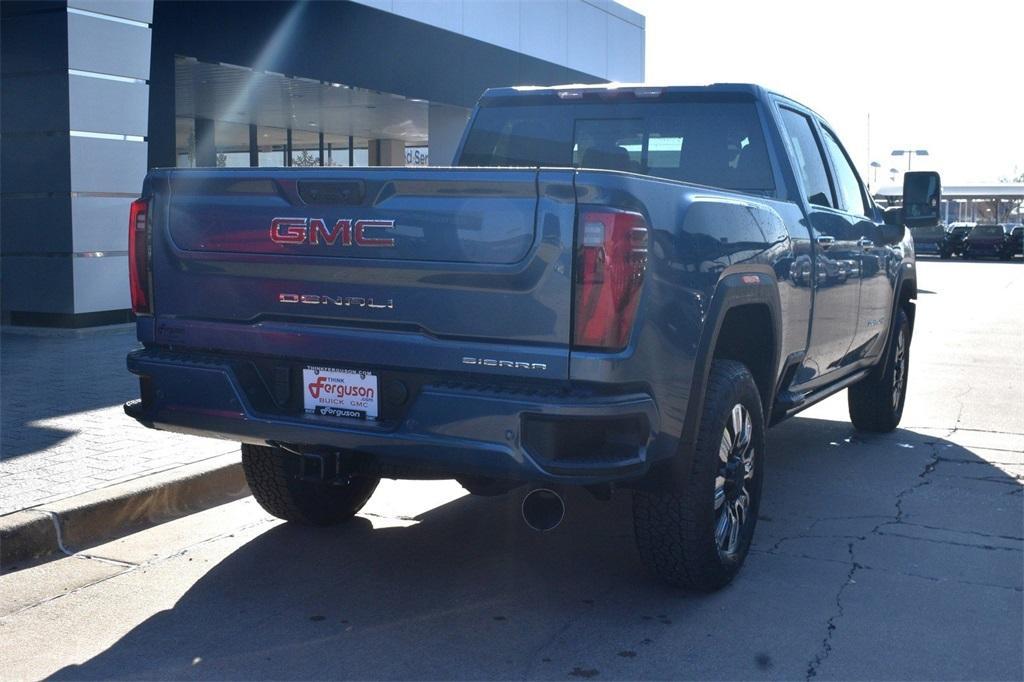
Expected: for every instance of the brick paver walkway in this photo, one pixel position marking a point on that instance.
(62, 430)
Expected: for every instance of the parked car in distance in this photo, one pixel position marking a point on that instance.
(616, 287)
(955, 234)
(930, 241)
(1014, 241)
(986, 240)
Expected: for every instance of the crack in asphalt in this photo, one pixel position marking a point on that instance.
(826, 643)
(825, 649)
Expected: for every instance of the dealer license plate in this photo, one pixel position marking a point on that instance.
(340, 392)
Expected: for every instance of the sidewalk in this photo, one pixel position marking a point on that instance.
(62, 430)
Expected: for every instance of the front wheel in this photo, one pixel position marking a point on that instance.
(273, 477)
(876, 401)
(694, 531)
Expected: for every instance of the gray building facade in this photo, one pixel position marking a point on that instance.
(95, 92)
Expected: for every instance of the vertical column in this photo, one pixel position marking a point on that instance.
(254, 146)
(387, 152)
(34, 157)
(445, 125)
(206, 145)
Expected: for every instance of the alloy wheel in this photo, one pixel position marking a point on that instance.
(734, 481)
(899, 369)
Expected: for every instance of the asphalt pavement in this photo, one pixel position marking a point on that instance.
(877, 557)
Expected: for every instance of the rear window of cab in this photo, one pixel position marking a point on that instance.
(713, 143)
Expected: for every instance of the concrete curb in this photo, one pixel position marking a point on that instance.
(88, 519)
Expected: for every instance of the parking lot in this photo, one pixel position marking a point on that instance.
(876, 557)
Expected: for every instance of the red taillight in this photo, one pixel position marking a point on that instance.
(611, 258)
(138, 255)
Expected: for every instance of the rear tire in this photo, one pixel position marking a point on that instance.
(876, 402)
(272, 474)
(694, 531)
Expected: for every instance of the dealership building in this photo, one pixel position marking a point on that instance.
(95, 92)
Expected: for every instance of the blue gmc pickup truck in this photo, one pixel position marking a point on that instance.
(616, 287)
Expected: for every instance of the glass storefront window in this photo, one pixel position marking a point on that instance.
(417, 156)
(360, 152)
(335, 149)
(184, 142)
(272, 143)
(232, 143)
(305, 148)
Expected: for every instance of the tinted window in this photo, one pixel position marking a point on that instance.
(987, 231)
(716, 143)
(807, 157)
(850, 196)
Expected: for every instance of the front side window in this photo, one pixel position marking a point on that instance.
(850, 195)
(807, 158)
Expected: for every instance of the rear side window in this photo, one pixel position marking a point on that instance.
(714, 143)
(807, 157)
(988, 231)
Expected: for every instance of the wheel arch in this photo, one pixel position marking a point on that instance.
(745, 305)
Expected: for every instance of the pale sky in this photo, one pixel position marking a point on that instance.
(943, 76)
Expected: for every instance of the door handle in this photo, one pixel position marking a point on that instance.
(865, 243)
(825, 242)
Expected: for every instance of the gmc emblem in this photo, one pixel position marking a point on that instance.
(315, 231)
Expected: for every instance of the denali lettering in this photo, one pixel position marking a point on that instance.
(509, 364)
(315, 232)
(343, 301)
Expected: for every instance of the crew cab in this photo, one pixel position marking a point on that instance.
(986, 240)
(615, 287)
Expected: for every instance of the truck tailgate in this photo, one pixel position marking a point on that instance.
(423, 268)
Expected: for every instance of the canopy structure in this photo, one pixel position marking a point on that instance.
(999, 203)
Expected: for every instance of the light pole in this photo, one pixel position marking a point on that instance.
(874, 172)
(893, 172)
(909, 153)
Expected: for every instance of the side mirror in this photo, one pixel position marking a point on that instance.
(922, 198)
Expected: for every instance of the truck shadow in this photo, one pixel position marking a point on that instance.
(466, 591)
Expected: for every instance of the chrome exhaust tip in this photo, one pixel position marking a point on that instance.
(543, 509)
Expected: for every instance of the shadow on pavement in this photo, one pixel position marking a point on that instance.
(872, 553)
(53, 376)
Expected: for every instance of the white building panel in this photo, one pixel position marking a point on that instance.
(598, 37)
(625, 52)
(108, 47)
(101, 223)
(446, 15)
(136, 10)
(105, 106)
(495, 22)
(101, 284)
(588, 39)
(544, 31)
(107, 165)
